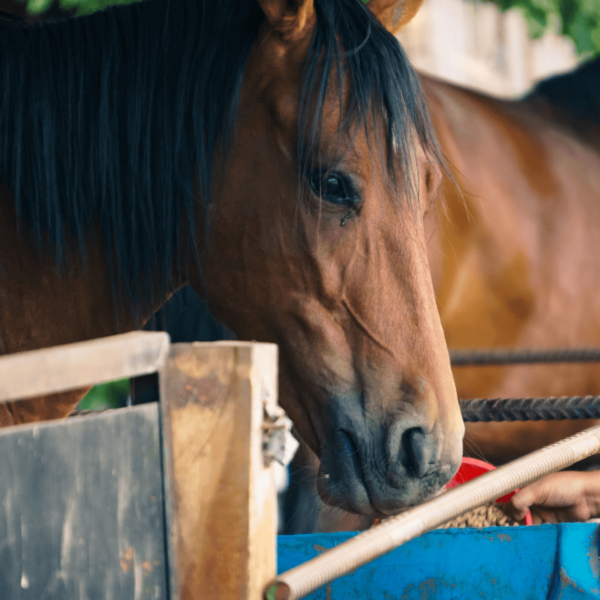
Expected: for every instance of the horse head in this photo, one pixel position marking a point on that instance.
(317, 244)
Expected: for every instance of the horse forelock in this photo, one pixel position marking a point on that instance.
(351, 45)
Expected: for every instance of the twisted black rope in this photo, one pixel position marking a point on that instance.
(530, 409)
(509, 356)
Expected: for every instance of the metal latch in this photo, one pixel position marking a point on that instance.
(278, 442)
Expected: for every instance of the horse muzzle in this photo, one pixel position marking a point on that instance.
(378, 470)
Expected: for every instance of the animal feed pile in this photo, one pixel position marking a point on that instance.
(488, 515)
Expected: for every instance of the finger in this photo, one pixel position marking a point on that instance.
(517, 514)
(541, 515)
(536, 519)
(528, 496)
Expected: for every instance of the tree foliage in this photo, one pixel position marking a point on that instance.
(79, 7)
(577, 19)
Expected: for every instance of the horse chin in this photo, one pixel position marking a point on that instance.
(354, 499)
(354, 493)
(358, 500)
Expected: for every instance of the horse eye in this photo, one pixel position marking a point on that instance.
(334, 187)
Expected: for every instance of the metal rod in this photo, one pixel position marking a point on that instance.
(554, 408)
(395, 531)
(510, 356)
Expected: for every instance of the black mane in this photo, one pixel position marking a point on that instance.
(576, 94)
(109, 119)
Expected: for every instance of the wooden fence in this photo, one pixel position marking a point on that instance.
(177, 500)
(170, 501)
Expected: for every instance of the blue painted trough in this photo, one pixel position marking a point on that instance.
(501, 563)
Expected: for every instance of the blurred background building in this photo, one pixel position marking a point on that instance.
(474, 44)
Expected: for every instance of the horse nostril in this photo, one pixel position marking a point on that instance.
(410, 450)
(417, 451)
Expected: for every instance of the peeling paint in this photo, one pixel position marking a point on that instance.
(565, 581)
(147, 567)
(428, 588)
(138, 581)
(127, 558)
(594, 552)
(66, 540)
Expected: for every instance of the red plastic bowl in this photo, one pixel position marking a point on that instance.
(471, 468)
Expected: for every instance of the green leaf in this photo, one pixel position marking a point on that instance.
(577, 19)
(107, 395)
(36, 7)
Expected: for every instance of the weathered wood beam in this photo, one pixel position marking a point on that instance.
(61, 368)
(81, 508)
(220, 496)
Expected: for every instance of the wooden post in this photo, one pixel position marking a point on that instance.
(220, 496)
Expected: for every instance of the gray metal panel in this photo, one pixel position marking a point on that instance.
(81, 509)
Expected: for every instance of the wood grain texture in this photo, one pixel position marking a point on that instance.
(61, 368)
(221, 499)
(81, 509)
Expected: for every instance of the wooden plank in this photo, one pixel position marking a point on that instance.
(220, 497)
(61, 368)
(504, 563)
(81, 509)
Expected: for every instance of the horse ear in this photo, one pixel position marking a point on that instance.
(394, 14)
(291, 18)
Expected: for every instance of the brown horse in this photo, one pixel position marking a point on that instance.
(513, 255)
(306, 128)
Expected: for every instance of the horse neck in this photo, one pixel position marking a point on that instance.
(43, 304)
(483, 286)
(448, 225)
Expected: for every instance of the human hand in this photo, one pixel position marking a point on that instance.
(558, 498)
